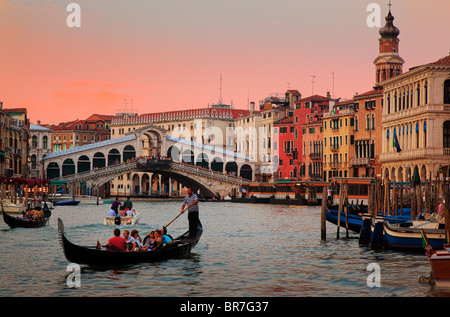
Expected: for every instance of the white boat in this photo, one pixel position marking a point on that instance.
(12, 208)
(127, 220)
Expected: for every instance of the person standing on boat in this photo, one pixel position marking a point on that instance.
(127, 204)
(191, 200)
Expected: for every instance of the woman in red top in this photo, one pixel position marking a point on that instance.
(116, 243)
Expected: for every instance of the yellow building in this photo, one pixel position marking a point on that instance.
(338, 140)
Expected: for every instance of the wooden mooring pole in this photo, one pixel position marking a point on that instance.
(323, 225)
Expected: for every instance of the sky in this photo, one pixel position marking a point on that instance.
(156, 56)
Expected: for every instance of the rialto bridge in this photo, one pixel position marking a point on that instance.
(151, 151)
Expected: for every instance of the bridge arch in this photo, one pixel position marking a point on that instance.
(114, 157)
(246, 172)
(129, 153)
(83, 164)
(53, 170)
(188, 157)
(202, 160)
(217, 164)
(174, 153)
(99, 160)
(68, 167)
(231, 168)
(151, 140)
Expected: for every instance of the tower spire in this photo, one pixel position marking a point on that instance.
(388, 63)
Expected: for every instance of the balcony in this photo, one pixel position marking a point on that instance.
(424, 153)
(334, 148)
(360, 161)
(315, 156)
(334, 165)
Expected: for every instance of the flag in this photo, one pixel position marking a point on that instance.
(395, 143)
(99, 246)
(426, 244)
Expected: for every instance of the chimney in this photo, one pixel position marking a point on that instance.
(39, 122)
(252, 106)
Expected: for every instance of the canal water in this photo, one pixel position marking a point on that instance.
(247, 250)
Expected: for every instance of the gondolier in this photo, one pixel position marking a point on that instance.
(191, 200)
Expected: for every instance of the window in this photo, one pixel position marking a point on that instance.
(44, 142)
(447, 91)
(446, 135)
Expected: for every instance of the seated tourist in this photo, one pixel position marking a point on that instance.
(121, 211)
(137, 241)
(112, 212)
(166, 240)
(149, 241)
(116, 243)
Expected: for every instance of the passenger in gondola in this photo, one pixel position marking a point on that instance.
(137, 241)
(166, 240)
(149, 241)
(158, 240)
(128, 240)
(116, 243)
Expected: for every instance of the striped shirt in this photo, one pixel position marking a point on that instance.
(189, 200)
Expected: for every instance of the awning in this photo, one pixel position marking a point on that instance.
(58, 182)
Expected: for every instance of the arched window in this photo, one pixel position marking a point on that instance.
(447, 91)
(45, 142)
(418, 94)
(426, 93)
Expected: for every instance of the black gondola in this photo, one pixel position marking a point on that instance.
(181, 246)
(19, 222)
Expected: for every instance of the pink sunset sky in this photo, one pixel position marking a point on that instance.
(168, 55)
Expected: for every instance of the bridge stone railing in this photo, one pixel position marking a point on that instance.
(142, 165)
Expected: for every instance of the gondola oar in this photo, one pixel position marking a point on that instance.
(175, 218)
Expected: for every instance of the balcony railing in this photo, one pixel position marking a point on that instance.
(360, 161)
(315, 156)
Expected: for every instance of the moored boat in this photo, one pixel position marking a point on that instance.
(180, 247)
(67, 203)
(409, 235)
(439, 261)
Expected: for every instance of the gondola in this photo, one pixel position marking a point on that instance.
(67, 203)
(181, 247)
(19, 222)
(355, 221)
(408, 236)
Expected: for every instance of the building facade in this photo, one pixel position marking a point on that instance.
(40, 146)
(416, 122)
(14, 139)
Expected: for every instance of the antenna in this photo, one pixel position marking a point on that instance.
(332, 76)
(312, 81)
(220, 97)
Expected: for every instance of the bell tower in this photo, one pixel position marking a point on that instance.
(388, 64)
